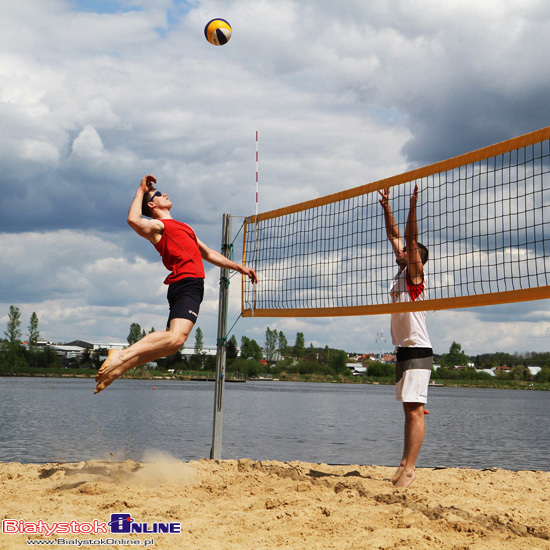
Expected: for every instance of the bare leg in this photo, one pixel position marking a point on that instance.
(152, 346)
(414, 436)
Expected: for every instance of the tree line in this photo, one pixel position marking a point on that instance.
(507, 366)
(276, 356)
(13, 355)
(457, 357)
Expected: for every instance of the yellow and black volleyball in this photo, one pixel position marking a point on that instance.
(218, 32)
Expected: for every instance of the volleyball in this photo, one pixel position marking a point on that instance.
(218, 32)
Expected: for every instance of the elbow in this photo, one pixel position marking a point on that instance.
(410, 238)
(132, 222)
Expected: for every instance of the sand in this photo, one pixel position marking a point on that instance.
(243, 504)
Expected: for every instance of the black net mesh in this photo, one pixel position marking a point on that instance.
(485, 224)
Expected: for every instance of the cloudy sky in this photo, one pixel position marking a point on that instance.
(96, 94)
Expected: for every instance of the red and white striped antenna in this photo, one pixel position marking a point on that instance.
(257, 176)
(256, 222)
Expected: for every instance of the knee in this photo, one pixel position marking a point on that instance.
(176, 342)
(414, 410)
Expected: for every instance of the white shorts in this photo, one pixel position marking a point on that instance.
(413, 386)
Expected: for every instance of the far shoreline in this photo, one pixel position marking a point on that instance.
(144, 374)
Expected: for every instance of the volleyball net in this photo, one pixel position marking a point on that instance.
(484, 216)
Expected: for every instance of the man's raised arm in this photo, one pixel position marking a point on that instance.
(392, 230)
(148, 229)
(414, 261)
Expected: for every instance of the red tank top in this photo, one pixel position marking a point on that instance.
(180, 252)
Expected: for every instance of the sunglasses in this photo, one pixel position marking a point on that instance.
(155, 194)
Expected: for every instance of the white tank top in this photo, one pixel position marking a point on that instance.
(408, 329)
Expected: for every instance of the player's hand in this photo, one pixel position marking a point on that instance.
(414, 196)
(147, 183)
(251, 274)
(384, 201)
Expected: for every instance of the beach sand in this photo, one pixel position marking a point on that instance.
(248, 505)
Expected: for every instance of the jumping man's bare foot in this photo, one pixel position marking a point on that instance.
(405, 479)
(109, 371)
(397, 475)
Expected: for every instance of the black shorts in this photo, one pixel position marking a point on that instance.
(412, 358)
(184, 298)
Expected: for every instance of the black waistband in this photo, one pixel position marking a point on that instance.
(405, 354)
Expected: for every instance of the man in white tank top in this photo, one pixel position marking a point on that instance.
(409, 334)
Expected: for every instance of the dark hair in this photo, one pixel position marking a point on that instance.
(145, 210)
(423, 251)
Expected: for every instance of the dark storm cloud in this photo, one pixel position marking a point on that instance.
(471, 118)
(93, 97)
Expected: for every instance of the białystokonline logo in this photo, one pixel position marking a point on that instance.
(124, 523)
(119, 524)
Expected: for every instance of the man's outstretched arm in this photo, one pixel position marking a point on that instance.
(217, 259)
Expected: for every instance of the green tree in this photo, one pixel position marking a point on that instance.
(33, 355)
(270, 348)
(469, 373)
(46, 358)
(197, 359)
(282, 345)
(13, 329)
(232, 349)
(455, 357)
(135, 333)
(250, 349)
(449, 373)
(299, 348)
(170, 361)
(34, 335)
(197, 350)
(210, 363)
(12, 352)
(520, 372)
(385, 370)
(317, 355)
(249, 367)
(246, 350)
(338, 360)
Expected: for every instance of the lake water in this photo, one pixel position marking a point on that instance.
(55, 419)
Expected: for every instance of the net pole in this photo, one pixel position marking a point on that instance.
(216, 450)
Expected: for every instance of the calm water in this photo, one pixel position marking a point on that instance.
(47, 420)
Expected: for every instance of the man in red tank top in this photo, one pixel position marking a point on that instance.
(182, 254)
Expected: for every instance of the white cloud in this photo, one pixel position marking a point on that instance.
(39, 151)
(342, 94)
(88, 143)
